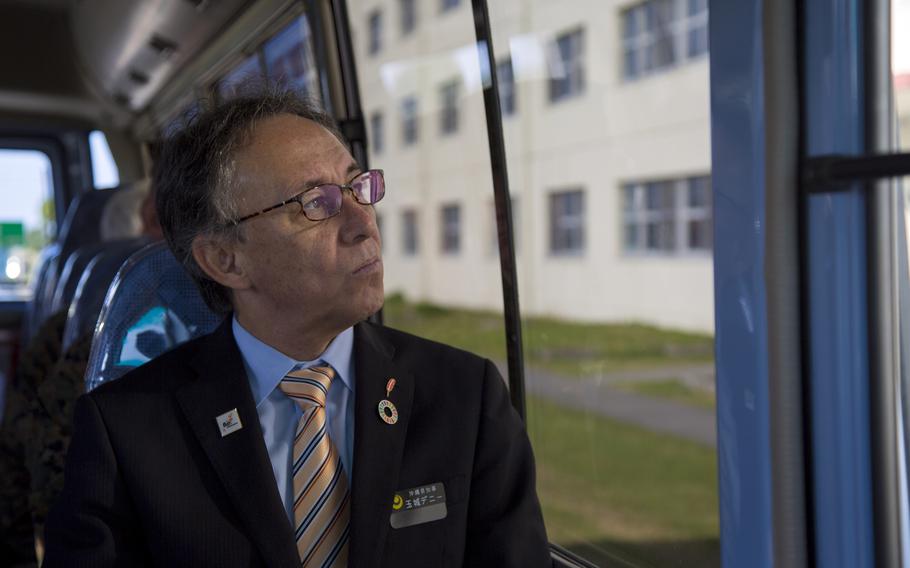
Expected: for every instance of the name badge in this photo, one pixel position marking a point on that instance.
(418, 505)
(229, 422)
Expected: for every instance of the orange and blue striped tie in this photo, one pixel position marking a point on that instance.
(322, 507)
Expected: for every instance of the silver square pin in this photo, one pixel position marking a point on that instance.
(229, 422)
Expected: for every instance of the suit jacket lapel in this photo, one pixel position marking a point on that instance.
(378, 447)
(240, 458)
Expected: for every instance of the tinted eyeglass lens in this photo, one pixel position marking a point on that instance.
(369, 187)
(321, 202)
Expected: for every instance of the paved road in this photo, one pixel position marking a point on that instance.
(596, 395)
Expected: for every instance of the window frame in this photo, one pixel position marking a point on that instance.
(374, 31)
(573, 83)
(450, 229)
(638, 216)
(557, 220)
(449, 116)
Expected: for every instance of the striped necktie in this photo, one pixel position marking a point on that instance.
(321, 495)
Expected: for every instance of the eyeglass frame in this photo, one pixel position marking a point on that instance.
(298, 198)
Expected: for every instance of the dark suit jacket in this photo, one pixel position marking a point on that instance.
(151, 481)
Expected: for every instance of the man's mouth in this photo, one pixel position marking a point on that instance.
(370, 266)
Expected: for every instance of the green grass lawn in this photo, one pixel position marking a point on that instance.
(671, 389)
(611, 491)
(568, 348)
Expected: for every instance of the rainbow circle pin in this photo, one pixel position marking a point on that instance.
(388, 412)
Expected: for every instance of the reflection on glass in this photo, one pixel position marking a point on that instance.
(612, 204)
(289, 59)
(248, 71)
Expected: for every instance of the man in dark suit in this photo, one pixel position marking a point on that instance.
(297, 433)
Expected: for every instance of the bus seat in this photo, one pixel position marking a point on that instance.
(69, 276)
(91, 289)
(45, 265)
(81, 226)
(151, 307)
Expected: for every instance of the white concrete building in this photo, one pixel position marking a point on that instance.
(608, 149)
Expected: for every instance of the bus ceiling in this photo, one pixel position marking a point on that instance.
(104, 62)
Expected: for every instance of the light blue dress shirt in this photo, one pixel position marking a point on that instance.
(278, 414)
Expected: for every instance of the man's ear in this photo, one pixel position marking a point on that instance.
(217, 258)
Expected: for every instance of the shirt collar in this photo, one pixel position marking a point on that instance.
(266, 366)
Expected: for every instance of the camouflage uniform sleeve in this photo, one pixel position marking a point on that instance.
(18, 437)
(57, 398)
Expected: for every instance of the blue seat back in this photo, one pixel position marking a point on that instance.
(69, 277)
(91, 290)
(151, 307)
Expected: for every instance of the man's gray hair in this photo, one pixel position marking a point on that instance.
(194, 176)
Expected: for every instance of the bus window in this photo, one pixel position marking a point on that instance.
(610, 176)
(289, 59)
(104, 169)
(29, 221)
(231, 85)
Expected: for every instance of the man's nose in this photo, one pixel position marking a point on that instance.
(358, 220)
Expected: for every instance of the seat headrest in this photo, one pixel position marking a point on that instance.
(91, 289)
(151, 307)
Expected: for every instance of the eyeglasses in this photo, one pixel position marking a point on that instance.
(324, 201)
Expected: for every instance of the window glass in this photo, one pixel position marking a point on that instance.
(27, 216)
(448, 120)
(246, 74)
(377, 132)
(104, 169)
(506, 78)
(451, 229)
(618, 341)
(409, 233)
(658, 34)
(670, 217)
(408, 10)
(409, 121)
(375, 27)
(567, 222)
(289, 59)
(567, 71)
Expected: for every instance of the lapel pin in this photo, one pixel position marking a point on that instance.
(387, 410)
(229, 422)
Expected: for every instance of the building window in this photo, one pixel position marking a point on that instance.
(447, 5)
(408, 16)
(668, 217)
(409, 120)
(567, 69)
(451, 229)
(449, 118)
(506, 79)
(377, 129)
(567, 222)
(375, 27)
(659, 34)
(409, 232)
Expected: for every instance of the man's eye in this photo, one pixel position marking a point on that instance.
(314, 203)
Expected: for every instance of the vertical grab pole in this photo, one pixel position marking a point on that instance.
(503, 204)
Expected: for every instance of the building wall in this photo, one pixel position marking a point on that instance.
(615, 132)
